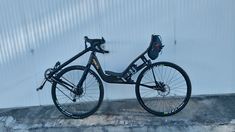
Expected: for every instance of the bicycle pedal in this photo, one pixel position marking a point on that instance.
(40, 88)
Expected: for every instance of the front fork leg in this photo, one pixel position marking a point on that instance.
(79, 89)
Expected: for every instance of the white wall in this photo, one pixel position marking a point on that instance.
(34, 34)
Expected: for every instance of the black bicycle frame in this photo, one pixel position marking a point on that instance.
(93, 61)
(114, 79)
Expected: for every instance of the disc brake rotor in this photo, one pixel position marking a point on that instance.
(166, 90)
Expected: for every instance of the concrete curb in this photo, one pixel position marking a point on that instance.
(203, 113)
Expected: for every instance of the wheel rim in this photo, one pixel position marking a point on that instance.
(163, 102)
(78, 105)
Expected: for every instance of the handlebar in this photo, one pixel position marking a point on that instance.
(93, 41)
(96, 44)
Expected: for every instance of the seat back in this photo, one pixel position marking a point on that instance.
(155, 47)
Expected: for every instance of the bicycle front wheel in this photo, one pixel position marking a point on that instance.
(79, 105)
(169, 89)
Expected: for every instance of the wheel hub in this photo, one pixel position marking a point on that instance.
(78, 92)
(165, 90)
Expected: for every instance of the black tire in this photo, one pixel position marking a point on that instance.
(84, 105)
(156, 98)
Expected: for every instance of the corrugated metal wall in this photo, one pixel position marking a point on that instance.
(199, 36)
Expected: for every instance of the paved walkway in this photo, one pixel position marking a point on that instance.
(203, 113)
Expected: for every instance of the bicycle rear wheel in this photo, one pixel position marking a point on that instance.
(169, 95)
(77, 105)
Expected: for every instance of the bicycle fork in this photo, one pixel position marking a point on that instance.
(79, 89)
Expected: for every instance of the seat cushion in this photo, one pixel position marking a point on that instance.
(113, 73)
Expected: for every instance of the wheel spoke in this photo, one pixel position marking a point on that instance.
(175, 88)
(82, 104)
(64, 93)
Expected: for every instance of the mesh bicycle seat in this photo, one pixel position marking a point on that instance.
(113, 73)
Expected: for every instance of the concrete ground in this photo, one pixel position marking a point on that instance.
(214, 113)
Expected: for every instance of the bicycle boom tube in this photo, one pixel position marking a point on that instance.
(69, 61)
